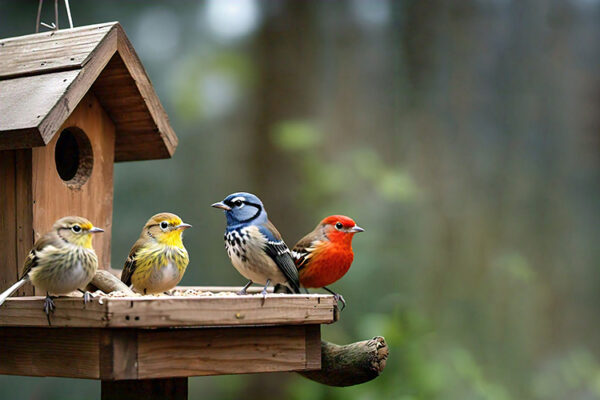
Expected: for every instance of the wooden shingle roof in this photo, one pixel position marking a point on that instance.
(44, 76)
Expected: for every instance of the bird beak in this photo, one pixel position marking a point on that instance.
(96, 230)
(183, 226)
(356, 229)
(221, 205)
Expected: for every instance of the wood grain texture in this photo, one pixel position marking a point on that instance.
(53, 199)
(9, 268)
(36, 99)
(50, 51)
(155, 312)
(24, 214)
(27, 311)
(352, 364)
(25, 102)
(149, 389)
(125, 354)
(118, 354)
(49, 352)
(199, 352)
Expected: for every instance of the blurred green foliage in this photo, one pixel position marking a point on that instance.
(461, 135)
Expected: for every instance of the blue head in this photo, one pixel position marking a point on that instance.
(242, 209)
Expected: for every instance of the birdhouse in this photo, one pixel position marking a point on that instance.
(72, 102)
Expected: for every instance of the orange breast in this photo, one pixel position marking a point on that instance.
(326, 266)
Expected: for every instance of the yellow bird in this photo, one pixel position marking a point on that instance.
(61, 261)
(157, 261)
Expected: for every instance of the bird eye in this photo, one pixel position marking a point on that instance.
(339, 225)
(164, 225)
(76, 228)
(238, 203)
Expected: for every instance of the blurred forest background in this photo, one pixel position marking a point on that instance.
(464, 136)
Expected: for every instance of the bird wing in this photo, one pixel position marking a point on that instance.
(280, 253)
(130, 263)
(303, 250)
(31, 261)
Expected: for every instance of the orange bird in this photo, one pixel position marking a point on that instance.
(325, 254)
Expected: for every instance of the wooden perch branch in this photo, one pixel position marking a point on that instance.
(107, 282)
(351, 364)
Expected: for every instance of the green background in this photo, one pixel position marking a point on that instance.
(464, 136)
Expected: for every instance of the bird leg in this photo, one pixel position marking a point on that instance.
(338, 297)
(48, 306)
(243, 291)
(264, 292)
(87, 296)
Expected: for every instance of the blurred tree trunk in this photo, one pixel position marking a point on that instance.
(285, 57)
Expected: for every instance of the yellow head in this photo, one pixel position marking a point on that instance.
(166, 228)
(76, 230)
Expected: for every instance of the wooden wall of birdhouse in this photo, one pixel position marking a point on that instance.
(71, 175)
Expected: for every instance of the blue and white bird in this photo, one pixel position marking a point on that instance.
(254, 245)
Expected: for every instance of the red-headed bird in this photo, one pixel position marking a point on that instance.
(325, 254)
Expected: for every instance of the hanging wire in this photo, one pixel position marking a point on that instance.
(56, 13)
(37, 20)
(54, 25)
(69, 13)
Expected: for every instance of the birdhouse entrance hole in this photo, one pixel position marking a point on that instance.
(74, 157)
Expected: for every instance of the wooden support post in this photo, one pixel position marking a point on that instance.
(146, 389)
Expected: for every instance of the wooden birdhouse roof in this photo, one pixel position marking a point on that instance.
(44, 76)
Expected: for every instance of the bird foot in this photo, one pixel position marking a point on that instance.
(264, 292)
(243, 291)
(340, 299)
(49, 307)
(87, 297)
(264, 296)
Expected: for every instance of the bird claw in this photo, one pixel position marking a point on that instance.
(243, 291)
(87, 297)
(49, 307)
(264, 296)
(340, 299)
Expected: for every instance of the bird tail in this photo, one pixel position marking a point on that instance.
(6, 294)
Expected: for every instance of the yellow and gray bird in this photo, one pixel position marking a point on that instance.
(157, 261)
(61, 261)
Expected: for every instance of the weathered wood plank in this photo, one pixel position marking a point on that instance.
(70, 312)
(198, 352)
(171, 311)
(49, 352)
(44, 76)
(80, 86)
(148, 389)
(24, 214)
(8, 245)
(50, 51)
(221, 311)
(118, 354)
(25, 102)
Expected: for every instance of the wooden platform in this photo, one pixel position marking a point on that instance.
(163, 337)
